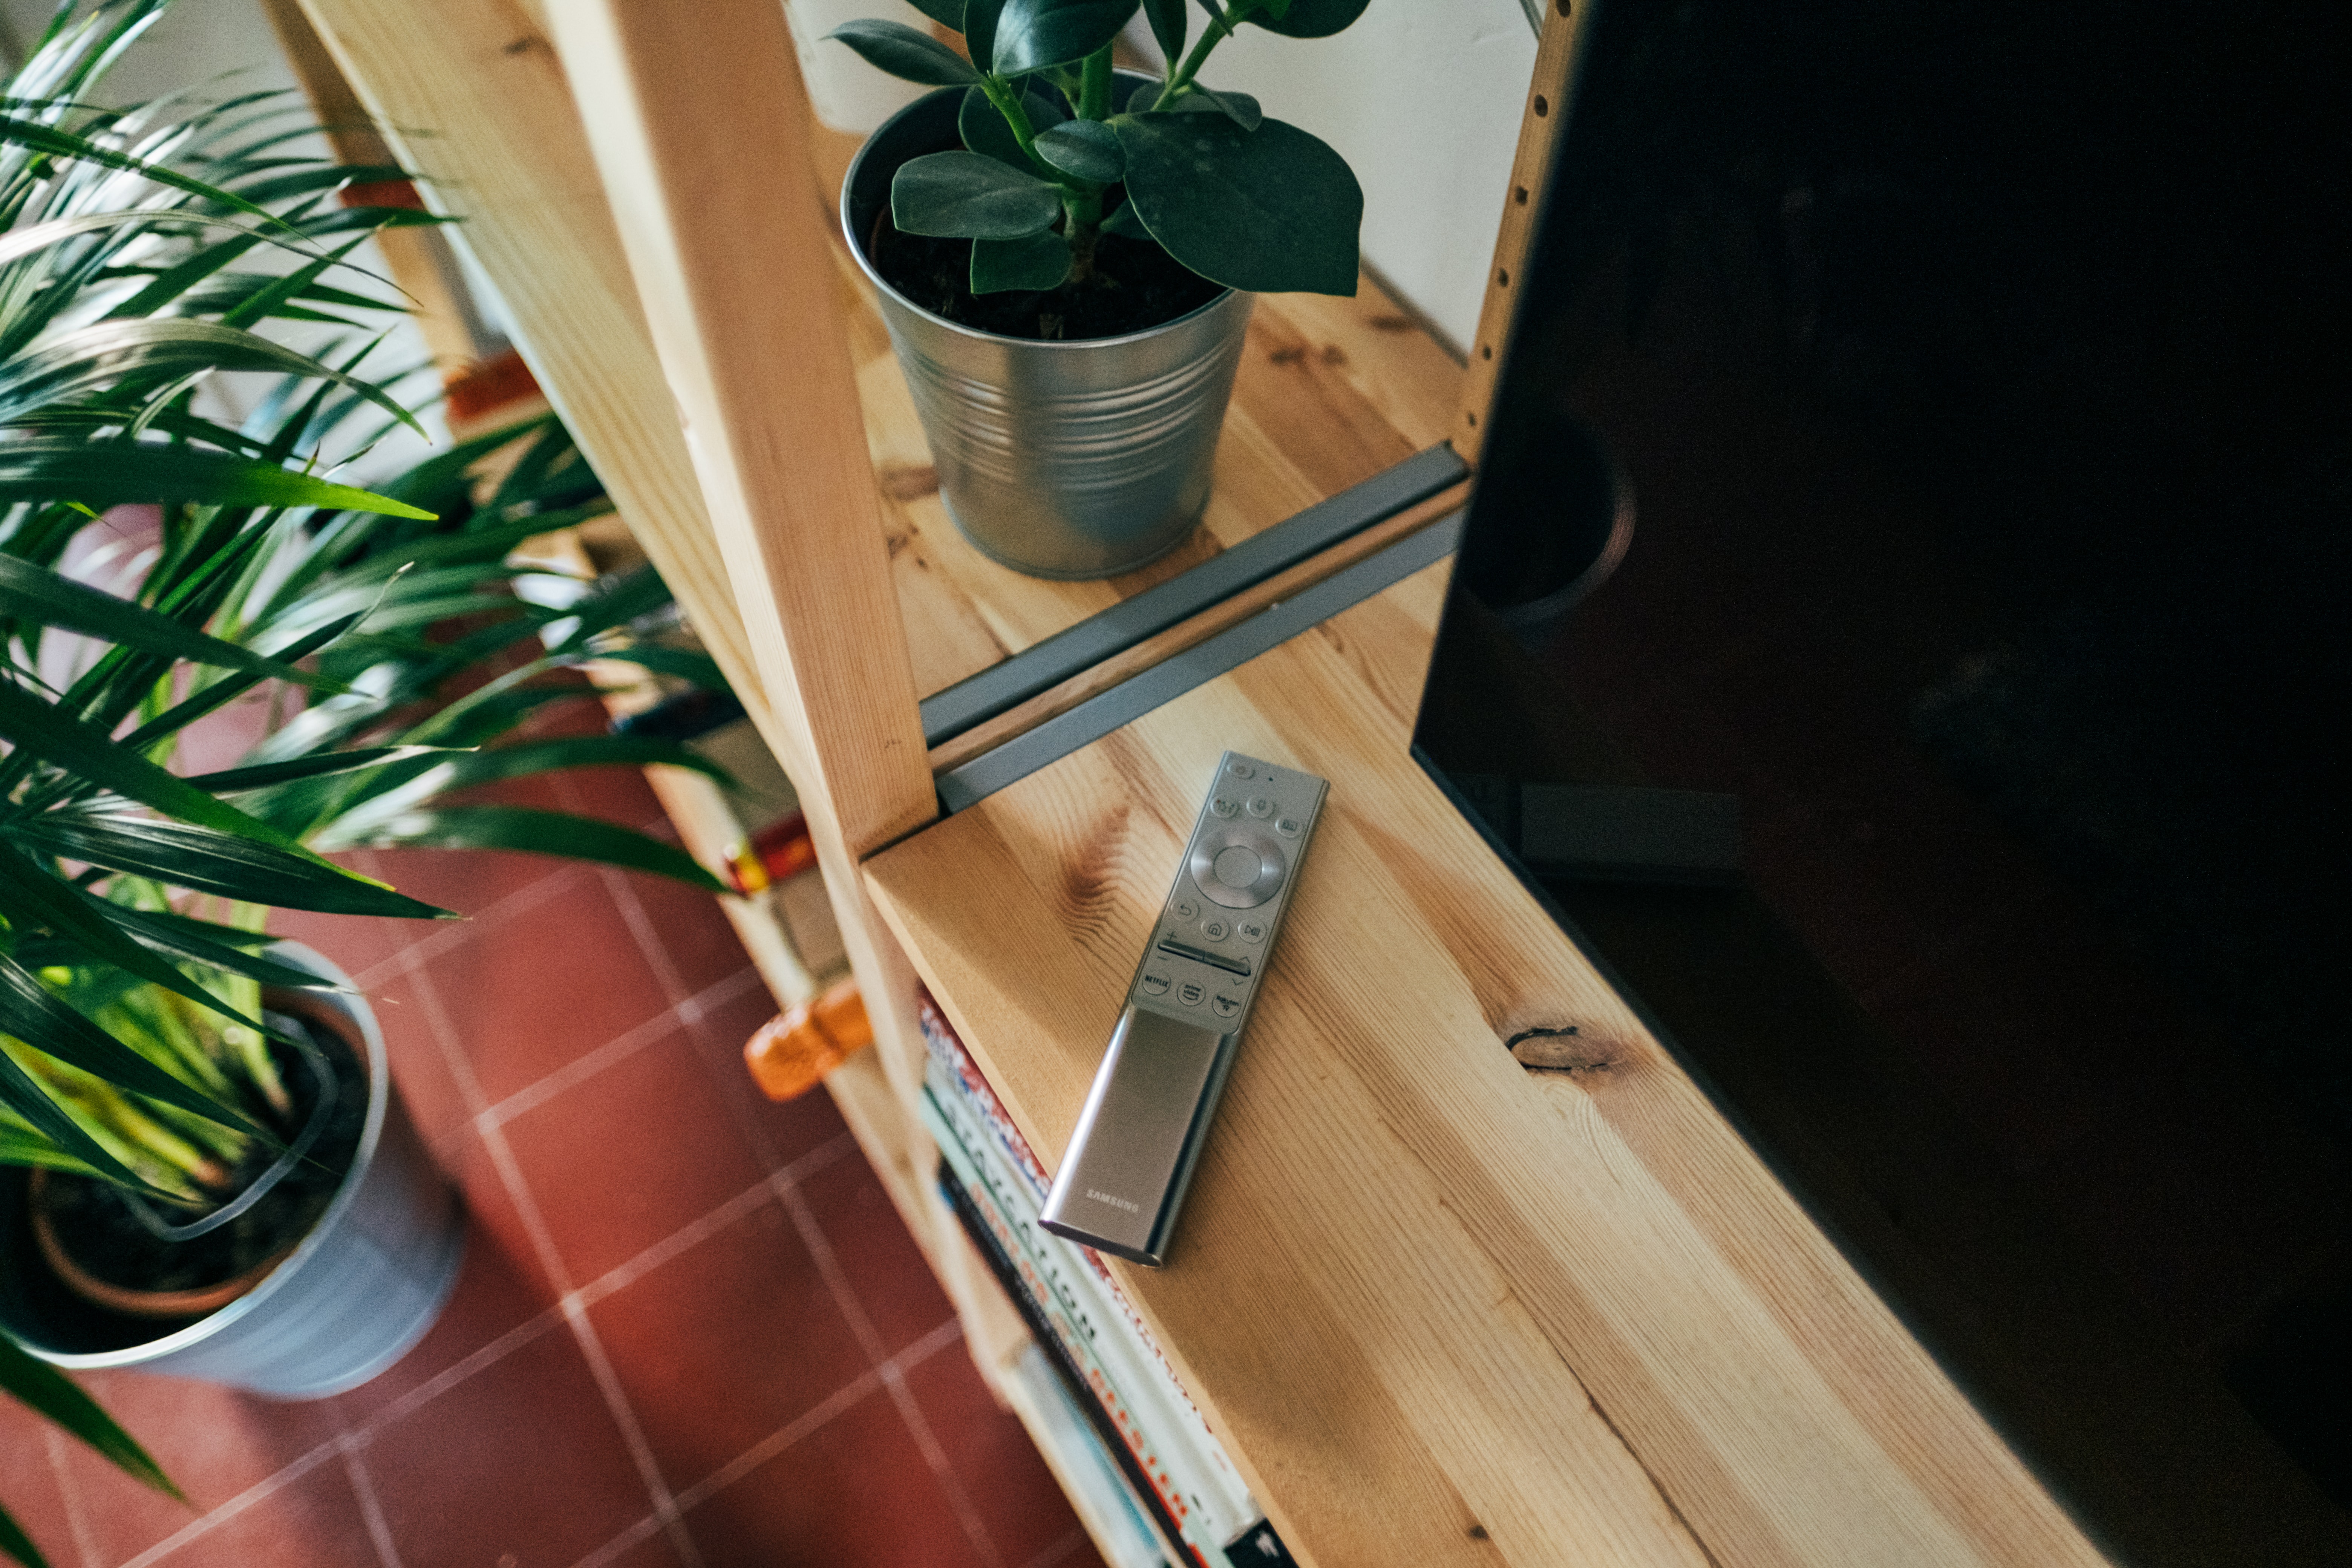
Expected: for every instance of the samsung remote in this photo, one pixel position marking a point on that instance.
(1138, 1137)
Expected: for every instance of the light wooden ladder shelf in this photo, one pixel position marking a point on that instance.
(1442, 1310)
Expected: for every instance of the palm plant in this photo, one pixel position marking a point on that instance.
(142, 251)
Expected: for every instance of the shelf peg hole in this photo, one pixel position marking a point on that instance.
(1503, 278)
(1471, 417)
(1543, 105)
(1519, 196)
(1561, 7)
(1486, 350)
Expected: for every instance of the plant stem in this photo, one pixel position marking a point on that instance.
(1008, 103)
(1095, 85)
(1222, 24)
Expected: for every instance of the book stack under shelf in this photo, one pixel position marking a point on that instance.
(1164, 1465)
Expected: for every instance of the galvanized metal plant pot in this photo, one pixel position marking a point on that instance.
(351, 1298)
(1060, 460)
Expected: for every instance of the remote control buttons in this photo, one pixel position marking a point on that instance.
(1155, 985)
(1240, 770)
(1252, 930)
(1186, 909)
(1215, 931)
(1191, 993)
(1226, 1007)
(1238, 867)
(1289, 826)
(1225, 806)
(1260, 805)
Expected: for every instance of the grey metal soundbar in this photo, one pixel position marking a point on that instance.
(1097, 716)
(949, 713)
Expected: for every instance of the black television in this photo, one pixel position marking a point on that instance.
(1932, 425)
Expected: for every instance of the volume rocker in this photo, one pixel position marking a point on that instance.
(1240, 966)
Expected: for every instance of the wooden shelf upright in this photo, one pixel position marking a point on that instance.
(1441, 1309)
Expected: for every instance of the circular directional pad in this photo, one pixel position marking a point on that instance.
(1238, 865)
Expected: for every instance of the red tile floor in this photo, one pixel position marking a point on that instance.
(691, 1328)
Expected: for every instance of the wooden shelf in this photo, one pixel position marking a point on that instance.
(1443, 1309)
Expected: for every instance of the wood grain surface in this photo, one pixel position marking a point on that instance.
(1330, 391)
(1446, 1310)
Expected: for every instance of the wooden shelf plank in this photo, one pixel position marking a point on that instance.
(1329, 393)
(1445, 1309)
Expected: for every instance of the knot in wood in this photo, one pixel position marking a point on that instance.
(1561, 1048)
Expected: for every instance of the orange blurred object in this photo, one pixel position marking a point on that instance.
(789, 1054)
(487, 386)
(777, 853)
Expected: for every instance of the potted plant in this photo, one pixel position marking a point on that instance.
(1065, 255)
(156, 1040)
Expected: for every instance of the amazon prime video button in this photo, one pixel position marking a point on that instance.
(1289, 826)
(1191, 993)
(1155, 985)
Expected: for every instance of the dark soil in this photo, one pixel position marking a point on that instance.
(1136, 286)
(99, 1230)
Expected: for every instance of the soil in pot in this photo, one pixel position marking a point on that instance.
(102, 1239)
(1136, 286)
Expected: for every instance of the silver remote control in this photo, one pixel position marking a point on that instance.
(1138, 1137)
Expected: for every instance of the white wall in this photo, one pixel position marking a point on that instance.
(1422, 98)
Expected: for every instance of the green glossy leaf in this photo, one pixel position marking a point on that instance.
(1238, 107)
(104, 353)
(16, 1543)
(100, 474)
(1307, 19)
(1271, 210)
(211, 862)
(201, 941)
(904, 53)
(688, 664)
(1125, 220)
(65, 144)
(49, 1393)
(980, 30)
(637, 594)
(42, 597)
(324, 765)
(1168, 19)
(30, 1012)
(88, 753)
(986, 132)
(1084, 149)
(22, 242)
(964, 195)
(534, 832)
(32, 895)
(1039, 261)
(946, 13)
(1141, 100)
(1034, 35)
(20, 1093)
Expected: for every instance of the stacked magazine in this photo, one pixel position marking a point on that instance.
(1175, 1470)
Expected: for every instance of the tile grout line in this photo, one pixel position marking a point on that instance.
(644, 1529)
(845, 1298)
(649, 943)
(1059, 1549)
(620, 1047)
(632, 1434)
(260, 1490)
(592, 1349)
(379, 1529)
(412, 955)
(77, 1520)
